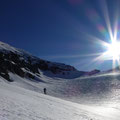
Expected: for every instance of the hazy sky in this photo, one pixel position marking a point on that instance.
(59, 30)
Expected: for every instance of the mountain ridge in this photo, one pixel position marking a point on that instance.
(15, 60)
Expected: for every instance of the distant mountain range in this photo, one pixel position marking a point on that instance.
(17, 61)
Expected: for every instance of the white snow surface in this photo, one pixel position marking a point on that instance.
(23, 100)
(4, 46)
(20, 104)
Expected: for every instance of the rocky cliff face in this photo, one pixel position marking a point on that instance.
(25, 65)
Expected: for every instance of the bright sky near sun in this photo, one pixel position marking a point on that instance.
(82, 33)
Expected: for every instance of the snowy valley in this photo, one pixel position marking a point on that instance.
(71, 94)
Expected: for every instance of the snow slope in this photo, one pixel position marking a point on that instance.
(20, 104)
(22, 99)
(101, 87)
(98, 96)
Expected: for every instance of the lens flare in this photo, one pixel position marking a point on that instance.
(113, 50)
(111, 34)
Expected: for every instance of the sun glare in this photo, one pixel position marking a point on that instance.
(114, 50)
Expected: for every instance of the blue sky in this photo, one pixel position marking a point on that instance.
(57, 30)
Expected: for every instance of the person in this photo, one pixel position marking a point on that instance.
(44, 90)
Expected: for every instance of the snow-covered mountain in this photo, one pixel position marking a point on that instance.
(98, 95)
(33, 73)
(25, 65)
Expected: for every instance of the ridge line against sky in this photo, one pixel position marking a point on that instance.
(62, 31)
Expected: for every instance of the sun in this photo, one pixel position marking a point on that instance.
(113, 50)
